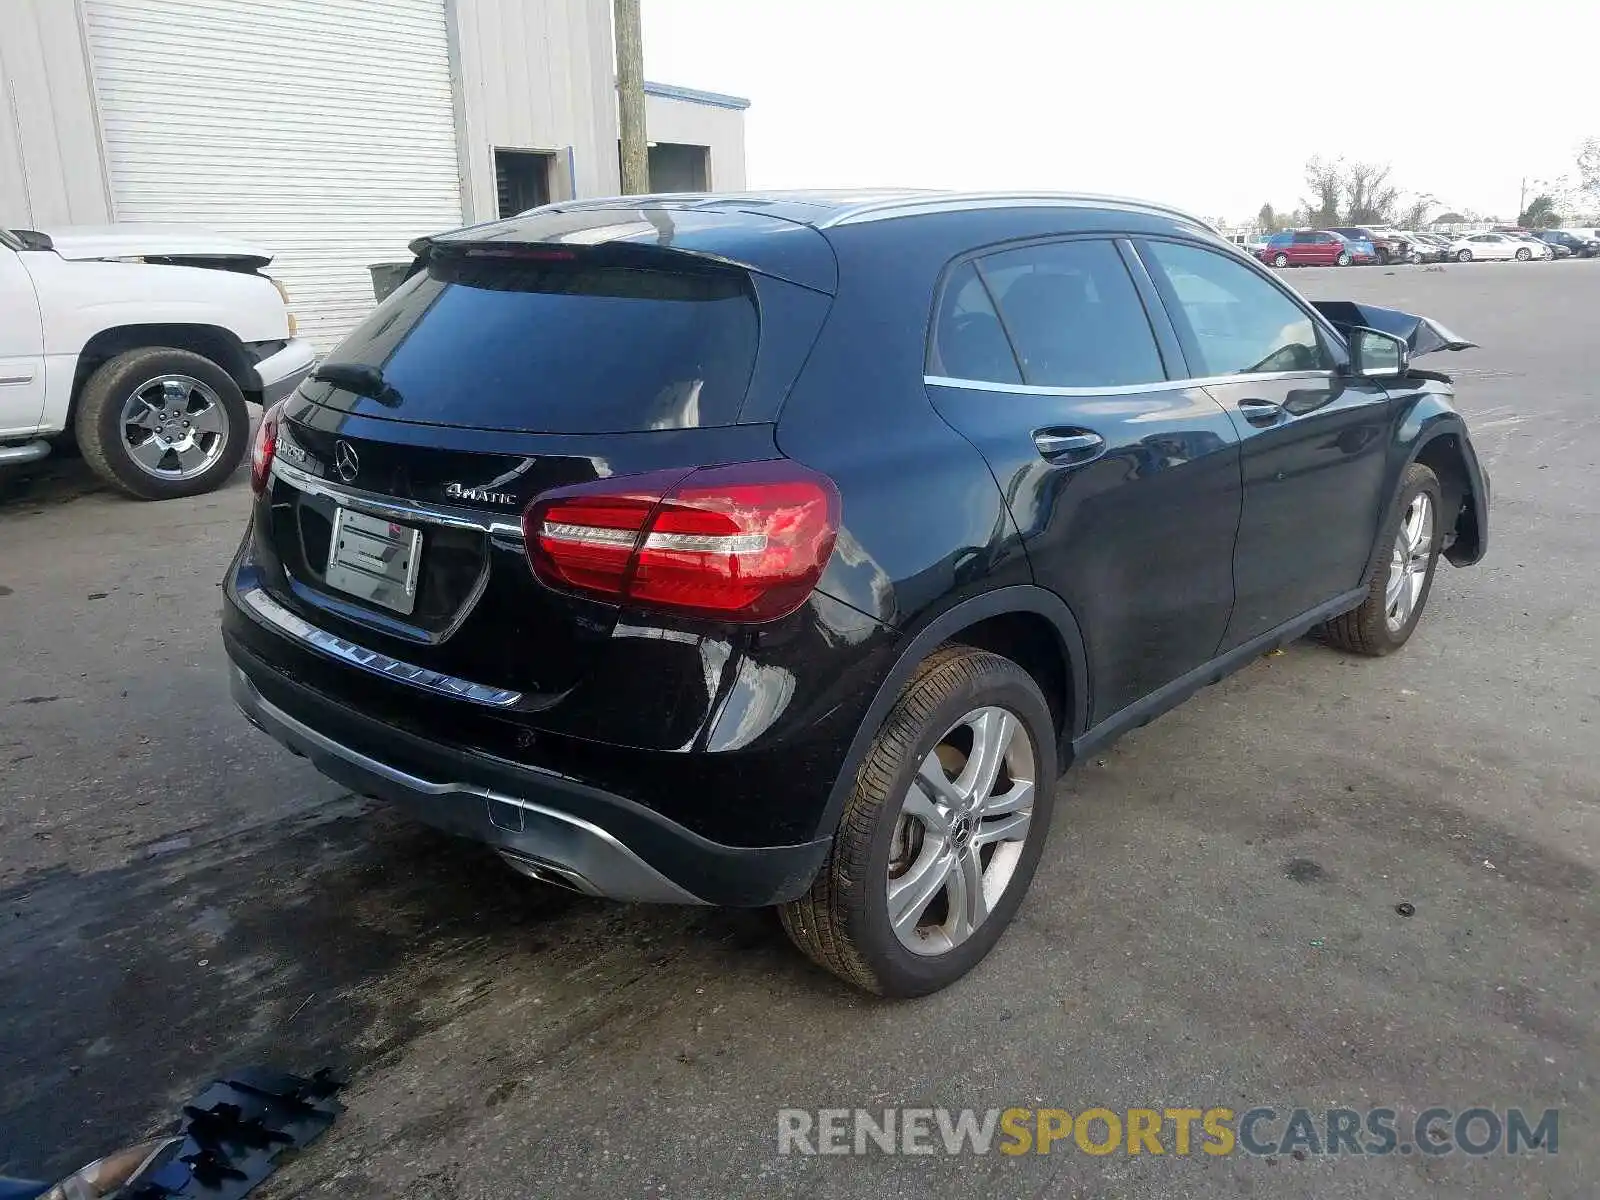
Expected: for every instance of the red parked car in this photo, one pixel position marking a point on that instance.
(1315, 248)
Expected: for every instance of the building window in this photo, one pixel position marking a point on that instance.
(521, 180)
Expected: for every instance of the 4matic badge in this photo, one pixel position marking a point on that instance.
(457, 491)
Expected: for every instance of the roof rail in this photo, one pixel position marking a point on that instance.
(885, 210)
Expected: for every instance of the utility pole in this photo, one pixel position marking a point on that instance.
(1522, 202)
(630, 97)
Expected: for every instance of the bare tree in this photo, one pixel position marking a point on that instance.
(1589, 166)
(1324, 179)
(1370, 198)
(1350, 193)
(1415, 214)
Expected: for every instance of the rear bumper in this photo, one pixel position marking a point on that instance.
(545, 824)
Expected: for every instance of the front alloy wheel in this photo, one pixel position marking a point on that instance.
(1410, 562)
(1463, 255)
(1280, 260)
(941, 832)
(1398, 586)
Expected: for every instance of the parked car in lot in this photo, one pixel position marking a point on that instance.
(142, 343)
(1576, 246)
(811, 609)
(1389, 246)
(1415, 248)
(1493, 246)
(1541, 248)
(1315, 248)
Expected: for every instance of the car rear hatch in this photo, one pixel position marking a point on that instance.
(540, 353)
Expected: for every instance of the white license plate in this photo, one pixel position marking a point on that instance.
(375, 559)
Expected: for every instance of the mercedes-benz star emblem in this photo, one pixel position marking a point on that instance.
(345, 458)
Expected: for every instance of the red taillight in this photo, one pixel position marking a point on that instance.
(743, 543)
(266, 445)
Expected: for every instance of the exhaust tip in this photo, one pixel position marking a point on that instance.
(549, 873)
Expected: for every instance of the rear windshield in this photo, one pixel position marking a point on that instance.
(558, 345)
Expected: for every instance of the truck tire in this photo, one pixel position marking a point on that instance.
(942, 831)
(158, 423)
(1400, 582)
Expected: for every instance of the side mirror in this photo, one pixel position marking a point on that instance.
(1375, 354)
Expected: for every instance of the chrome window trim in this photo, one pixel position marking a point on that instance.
(886, 210)
(394, 509)
(1125, 389)
(270, 612)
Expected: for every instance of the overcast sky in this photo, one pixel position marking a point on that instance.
(1212, 106)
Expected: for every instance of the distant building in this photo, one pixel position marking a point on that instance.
(330, 133)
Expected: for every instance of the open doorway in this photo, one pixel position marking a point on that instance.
(521, 180)
(678, 167)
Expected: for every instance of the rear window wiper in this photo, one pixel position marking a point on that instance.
(361, 378)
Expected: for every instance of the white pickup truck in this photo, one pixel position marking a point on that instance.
(142, 343)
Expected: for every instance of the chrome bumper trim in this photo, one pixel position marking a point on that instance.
(270, 612)
(395, 509)
(537, 840)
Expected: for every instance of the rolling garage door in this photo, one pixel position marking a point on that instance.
(321, 129)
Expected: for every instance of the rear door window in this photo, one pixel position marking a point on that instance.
(1230, 320)
(1073, 315)
(969, 341)
(555, 343)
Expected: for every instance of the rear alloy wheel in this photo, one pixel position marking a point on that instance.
(942, 833)
(1280, 260)
(1524, 254)
(1343, 260)
(1463, 255)
(159, 423)
(1398, 587)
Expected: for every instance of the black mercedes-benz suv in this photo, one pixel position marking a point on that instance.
(783, 549)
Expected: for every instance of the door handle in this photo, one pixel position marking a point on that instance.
(1068, 446)
(1261, 412)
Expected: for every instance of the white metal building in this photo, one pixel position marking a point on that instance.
(331, 132)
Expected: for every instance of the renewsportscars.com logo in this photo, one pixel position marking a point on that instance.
(1262, 1131)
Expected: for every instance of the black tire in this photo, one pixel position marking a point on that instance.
(1280, 260)
(843, 921)
(1524, 254)
(1343, 260)
(1463, 255)
(1366, 630)
(100, 436)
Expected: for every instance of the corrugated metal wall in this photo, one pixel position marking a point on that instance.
(51, 172)
(324, 130)
(536, 75)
